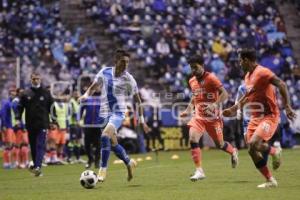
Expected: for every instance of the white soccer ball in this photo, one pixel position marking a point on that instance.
(88, 179)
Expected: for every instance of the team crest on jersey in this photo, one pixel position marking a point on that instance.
(266, 127)
(42, 98)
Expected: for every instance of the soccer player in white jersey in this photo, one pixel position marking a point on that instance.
(116, 85)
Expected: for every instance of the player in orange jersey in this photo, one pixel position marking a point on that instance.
(260, 100)
(208, 94)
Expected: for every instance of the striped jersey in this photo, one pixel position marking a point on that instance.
(115, 91)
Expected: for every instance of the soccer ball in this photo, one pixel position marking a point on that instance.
(88, 179)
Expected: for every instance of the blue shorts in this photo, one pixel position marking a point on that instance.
(115, 119)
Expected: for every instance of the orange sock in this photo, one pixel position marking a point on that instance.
(196, 156)
(15, 154)
(265, 172)
(25, 154)
(6, 156)
(227, 147)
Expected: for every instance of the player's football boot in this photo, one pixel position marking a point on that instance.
(235, 158)
(269, 184)
(38, 172)
(101, 175)
(198, 175)
(276, 158)
(130, 167)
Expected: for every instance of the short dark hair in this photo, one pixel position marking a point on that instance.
(249, 53)
(35, 74)
(121, 53)
(196, 59)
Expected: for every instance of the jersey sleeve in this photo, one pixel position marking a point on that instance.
(215, 82)
(267, 75)
(99, 78)
(133, 89)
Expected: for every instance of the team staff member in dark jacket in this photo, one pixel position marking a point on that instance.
(37, 102)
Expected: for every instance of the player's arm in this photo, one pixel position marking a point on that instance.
(232, 111)
(285, 97)
(223, 96)
(189, 108)
(138, 100)
(90, 91)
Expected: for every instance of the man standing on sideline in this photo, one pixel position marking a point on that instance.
(90, 112)
(37, 102)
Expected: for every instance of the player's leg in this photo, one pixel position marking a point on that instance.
(259, 148)
(77, 145)
(194, 136)
(261, 163)
(265, 131)
(8, 145)
(40, 151)
(107, 134)
(16, 148)
(119, 150)
(25, 148)
(61, 144)
(97, 145)
(215, 130)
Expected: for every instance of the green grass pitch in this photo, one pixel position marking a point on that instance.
(164, 179)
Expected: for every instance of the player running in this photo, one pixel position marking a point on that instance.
(260, 98)
(208, 94)
(116, 85)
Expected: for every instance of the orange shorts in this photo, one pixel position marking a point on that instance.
(21, 137)
(8, 136)
(61, 136)
(263, 127)
(58, 135)
(213, 128)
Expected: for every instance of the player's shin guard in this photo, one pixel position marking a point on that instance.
(105, 151)
(196, 154)
(263, 168)
(121, 153)
(227, 147)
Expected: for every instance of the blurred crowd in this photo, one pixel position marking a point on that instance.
(164, 33)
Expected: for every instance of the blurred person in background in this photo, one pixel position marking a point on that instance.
(21, 135)
(74, 142)
(10, 153)
(89, 112)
